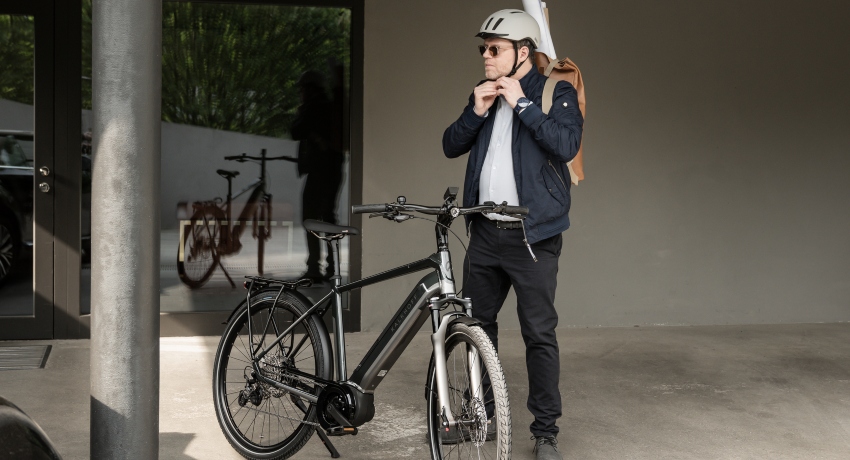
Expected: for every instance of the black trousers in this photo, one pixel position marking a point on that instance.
(498, 259)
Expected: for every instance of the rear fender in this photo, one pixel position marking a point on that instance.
(324, 337)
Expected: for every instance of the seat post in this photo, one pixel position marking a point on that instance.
(341, 372)
(334, 247)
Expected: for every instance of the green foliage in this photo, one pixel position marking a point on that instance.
(17, 59)
(234, 67)
(86, 77)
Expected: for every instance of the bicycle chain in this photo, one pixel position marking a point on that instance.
(305, 422)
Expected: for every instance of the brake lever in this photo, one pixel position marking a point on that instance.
(392, 217)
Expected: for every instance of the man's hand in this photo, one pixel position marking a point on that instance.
(511, 89)
(485, 95)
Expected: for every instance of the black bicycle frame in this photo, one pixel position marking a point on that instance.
(395, 337)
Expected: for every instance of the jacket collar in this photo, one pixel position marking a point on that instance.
(529, 77)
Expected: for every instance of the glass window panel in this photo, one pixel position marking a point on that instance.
(248, 79)
(17, 86)
(87, 122)
(245, 79)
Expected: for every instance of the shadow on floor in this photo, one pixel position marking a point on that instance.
(172, 446)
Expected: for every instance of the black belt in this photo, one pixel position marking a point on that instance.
(504, 224)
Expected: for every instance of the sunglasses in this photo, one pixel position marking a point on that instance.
(494, 50)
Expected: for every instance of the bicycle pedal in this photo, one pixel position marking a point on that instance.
(342, 431)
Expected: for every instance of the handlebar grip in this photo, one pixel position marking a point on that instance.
(368, 208)
(519, 210)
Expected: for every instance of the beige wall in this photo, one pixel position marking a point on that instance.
(717, 153)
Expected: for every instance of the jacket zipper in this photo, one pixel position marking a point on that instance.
(559, 176)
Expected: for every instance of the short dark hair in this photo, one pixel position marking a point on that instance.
(528, 44)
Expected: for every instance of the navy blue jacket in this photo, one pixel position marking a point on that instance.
(541, 145)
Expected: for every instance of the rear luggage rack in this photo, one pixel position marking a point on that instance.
(260, 282)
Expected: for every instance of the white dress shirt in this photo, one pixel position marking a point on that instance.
(497, 183)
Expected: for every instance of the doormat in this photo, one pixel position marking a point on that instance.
(23, 357)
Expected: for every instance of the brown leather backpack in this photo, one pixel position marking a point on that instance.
(563, 69)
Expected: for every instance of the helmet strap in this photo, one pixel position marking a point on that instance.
(516, 58)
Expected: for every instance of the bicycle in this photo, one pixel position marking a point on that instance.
(212, 233)
(277, 379)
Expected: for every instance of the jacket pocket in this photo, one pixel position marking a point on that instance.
(553, 182)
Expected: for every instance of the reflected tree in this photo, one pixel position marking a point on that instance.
(17, 46)
(235, 67)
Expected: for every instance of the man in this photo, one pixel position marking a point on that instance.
(318, 127)
(517, 154)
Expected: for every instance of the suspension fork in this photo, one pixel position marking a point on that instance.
(438, 341)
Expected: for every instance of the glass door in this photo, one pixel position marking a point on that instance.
(26, 170)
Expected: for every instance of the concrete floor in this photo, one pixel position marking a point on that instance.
(720, 392)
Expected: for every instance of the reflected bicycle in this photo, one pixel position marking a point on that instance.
(212, 233)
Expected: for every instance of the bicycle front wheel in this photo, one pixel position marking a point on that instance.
(197, 255)
(261, 421)
(481, 407)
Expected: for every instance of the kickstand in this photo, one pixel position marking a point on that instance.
(324, 437)
(327, 442)
(232, 284)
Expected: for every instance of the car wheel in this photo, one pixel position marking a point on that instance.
(10, 245)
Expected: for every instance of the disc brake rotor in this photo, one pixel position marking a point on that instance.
(478, 430)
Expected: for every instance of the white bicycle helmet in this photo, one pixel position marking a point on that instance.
(512, 25)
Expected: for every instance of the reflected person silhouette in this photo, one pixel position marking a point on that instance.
(318, 127)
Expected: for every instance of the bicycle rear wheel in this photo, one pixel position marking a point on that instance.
(259, 420)
(484, 431)
(199, 247)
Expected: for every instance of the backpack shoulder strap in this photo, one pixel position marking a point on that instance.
(548, 93)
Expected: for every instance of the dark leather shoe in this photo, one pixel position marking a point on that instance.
(546, 448)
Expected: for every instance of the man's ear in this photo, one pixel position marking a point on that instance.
(523, 53)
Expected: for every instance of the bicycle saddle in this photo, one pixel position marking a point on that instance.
(324, 227)
(227, 174)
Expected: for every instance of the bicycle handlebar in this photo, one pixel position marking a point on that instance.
(484, 208)
(244, 157)
(368, 208)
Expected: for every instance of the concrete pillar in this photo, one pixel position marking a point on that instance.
(127, 48)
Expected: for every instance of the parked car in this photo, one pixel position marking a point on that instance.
(21, 437)
(16, 197)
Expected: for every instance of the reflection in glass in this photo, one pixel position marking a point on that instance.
(86, 151)
(233, 83)
(17, 61)
(230, 86)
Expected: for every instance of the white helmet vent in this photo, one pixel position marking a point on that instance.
(515, 25)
